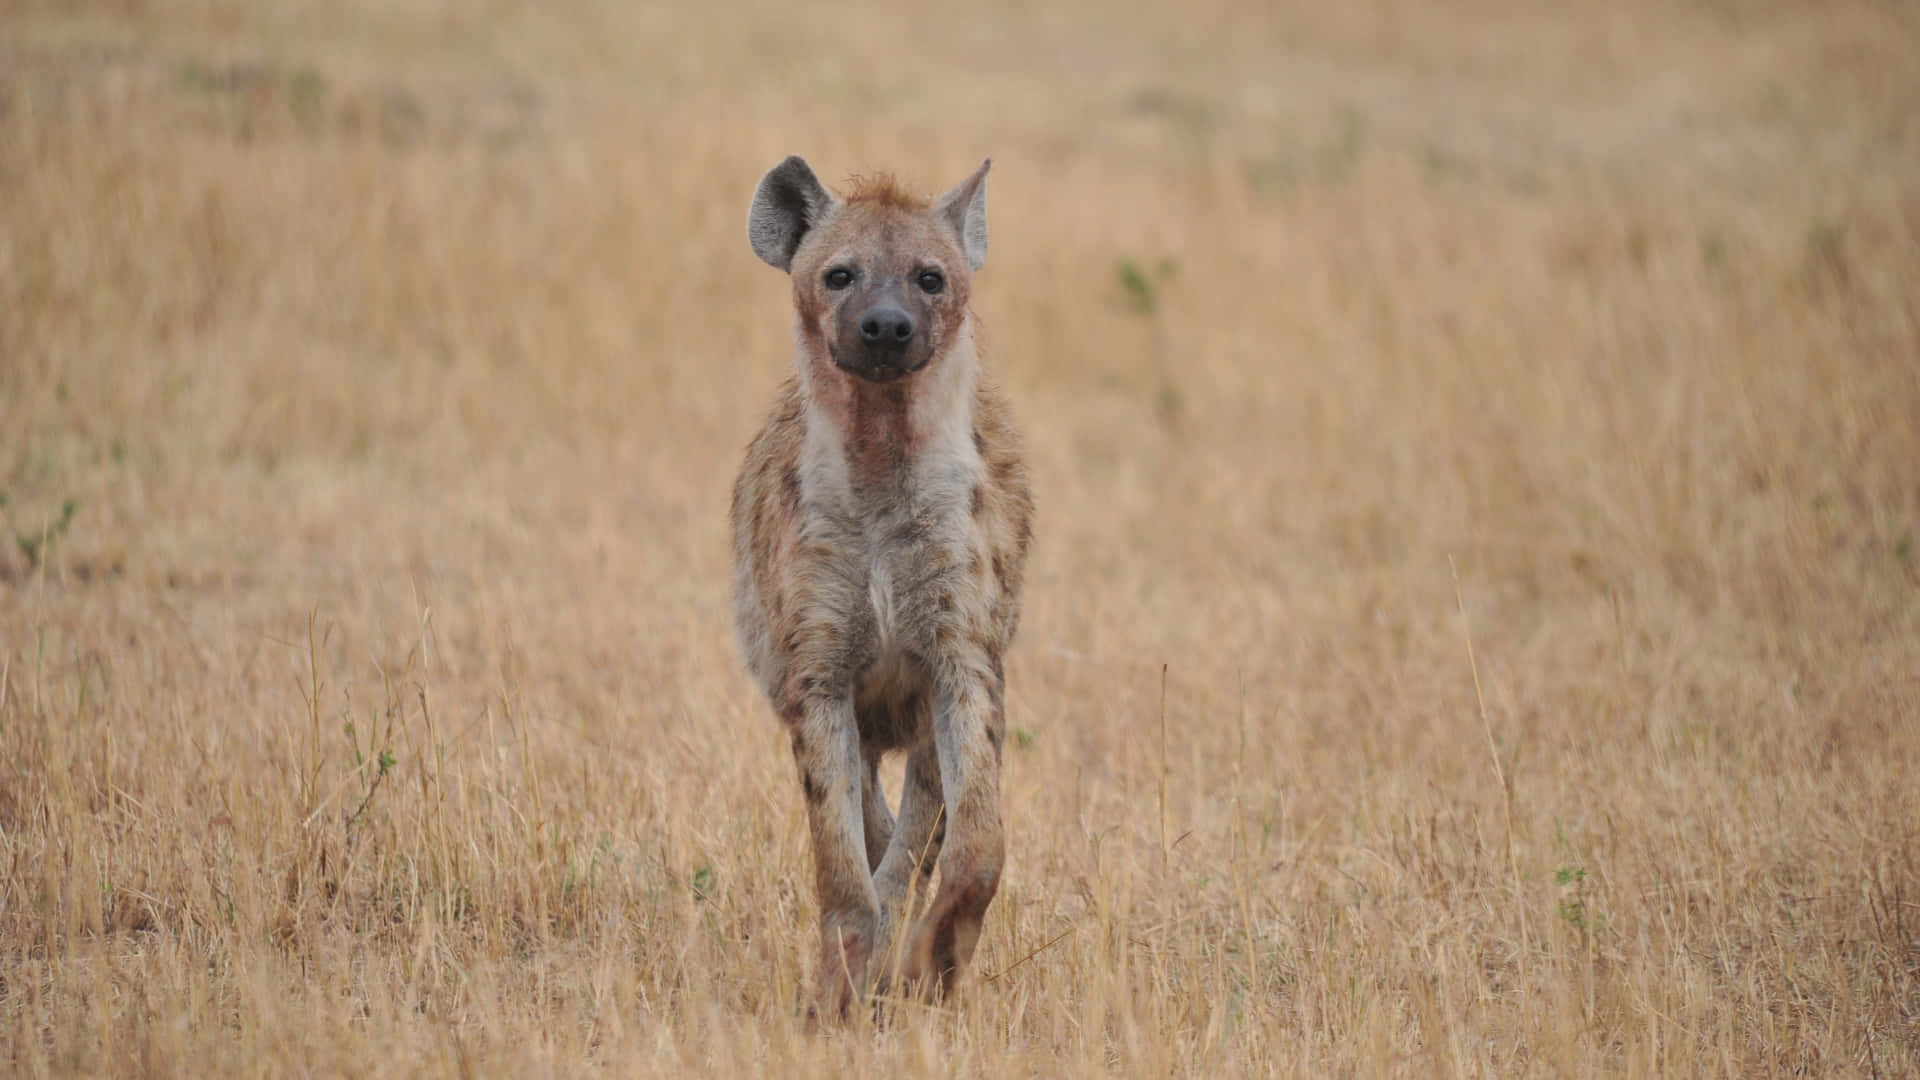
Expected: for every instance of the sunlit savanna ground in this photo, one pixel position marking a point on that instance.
(372, 375)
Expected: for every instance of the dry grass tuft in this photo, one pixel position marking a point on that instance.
(371, 377)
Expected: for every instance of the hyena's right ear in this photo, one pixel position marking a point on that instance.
(789, 201)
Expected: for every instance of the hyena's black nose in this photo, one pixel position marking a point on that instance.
(886, 326)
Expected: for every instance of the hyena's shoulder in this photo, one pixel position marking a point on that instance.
(1003, 505)
(764, 517)
(769, 479)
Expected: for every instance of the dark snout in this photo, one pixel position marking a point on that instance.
(883, 343)
(886, 327)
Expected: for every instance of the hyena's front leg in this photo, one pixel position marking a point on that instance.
(826, 746)
(967, 730)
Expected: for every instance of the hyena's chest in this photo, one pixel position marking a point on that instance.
(891, 584)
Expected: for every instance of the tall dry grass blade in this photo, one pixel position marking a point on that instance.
(1499, 771)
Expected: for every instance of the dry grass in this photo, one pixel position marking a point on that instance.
(396, 358)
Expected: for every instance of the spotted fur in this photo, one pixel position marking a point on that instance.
(880, 535)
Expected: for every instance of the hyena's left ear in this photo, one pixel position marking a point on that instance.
(966, 208)
(789, 201)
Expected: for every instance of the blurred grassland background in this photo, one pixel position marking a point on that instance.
(372, 376)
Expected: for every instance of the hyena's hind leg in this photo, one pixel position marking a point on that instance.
(873, 805)
(905, 874)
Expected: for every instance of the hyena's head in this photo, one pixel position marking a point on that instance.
(880, 279)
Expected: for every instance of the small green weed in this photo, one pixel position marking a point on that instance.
(38, 544)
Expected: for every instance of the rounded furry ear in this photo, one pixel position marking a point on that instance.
(966, 208)
(789, 201)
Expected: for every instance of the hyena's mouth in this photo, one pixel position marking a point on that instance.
(883, 373)
(886, 367)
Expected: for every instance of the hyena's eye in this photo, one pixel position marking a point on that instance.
(932, 281)
(839, 278)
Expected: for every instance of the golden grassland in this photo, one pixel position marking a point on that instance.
(1474, 626)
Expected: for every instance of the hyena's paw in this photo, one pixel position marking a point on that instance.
(841, 979)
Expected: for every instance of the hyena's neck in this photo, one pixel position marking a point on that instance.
(890, 441)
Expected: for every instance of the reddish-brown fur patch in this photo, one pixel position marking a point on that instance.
(881, 189)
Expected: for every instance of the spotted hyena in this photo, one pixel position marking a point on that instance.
(880, 525)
